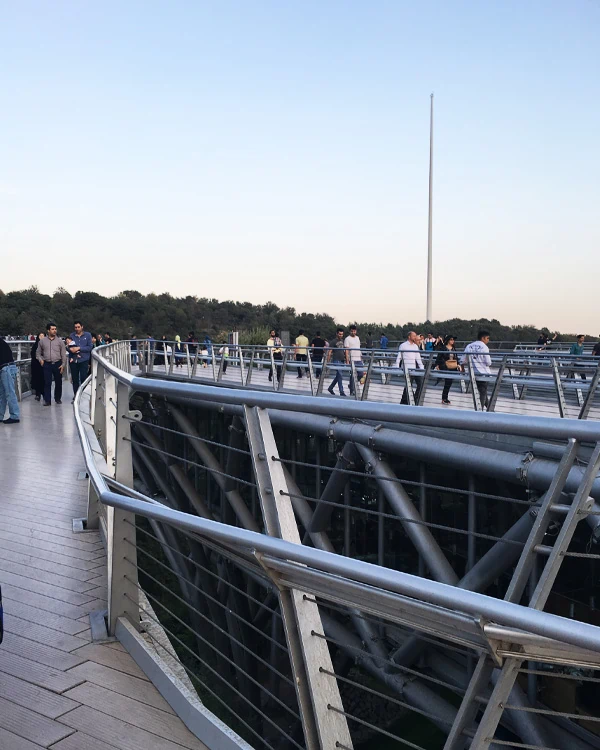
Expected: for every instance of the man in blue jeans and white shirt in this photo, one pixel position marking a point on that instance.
(80, 351)
(8, 375)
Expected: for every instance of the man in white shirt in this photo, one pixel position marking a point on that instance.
(409, 357)
(477, 356)
(353, 354)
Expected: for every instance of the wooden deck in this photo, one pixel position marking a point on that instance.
(58, 689)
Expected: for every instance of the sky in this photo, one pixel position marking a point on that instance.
(279, 151)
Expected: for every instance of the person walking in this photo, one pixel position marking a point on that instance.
(52, 355)
(477, 356)
(224, 352)
(8, 377)
(430, 342)
(301, 351)
(276, 348)
(577, 351)
(317, 346)
(447, 361)
(596, 349)
(353, 354)
(37, 371)
(409, 357)
(337, 355)
(133, 348)
(178, 352)
(80, 351)
(383, 341)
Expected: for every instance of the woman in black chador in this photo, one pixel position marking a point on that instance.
(37, 373)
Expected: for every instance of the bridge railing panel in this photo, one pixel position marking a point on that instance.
(375, 558)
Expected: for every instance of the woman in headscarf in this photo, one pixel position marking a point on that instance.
(447, 360)
(37, 372)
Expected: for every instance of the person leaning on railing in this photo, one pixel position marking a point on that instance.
(8, 376)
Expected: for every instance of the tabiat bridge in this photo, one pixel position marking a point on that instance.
(195, 556)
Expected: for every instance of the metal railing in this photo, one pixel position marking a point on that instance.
(536, 383)
(261, 545)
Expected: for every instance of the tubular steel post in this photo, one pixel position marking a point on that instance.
(121, 544)
(425, 380)
(408, 387)
(250, 367)
(309, 655)
(418, 533)
(323, 372)
(540, 525)
(581, 503)
(221, 364)
(365, 391)
(309, 370)
(283, 370)
(589, 399)
(353, 379)
(477, 405)
(562, 407)
(496, 391)
(469, 706)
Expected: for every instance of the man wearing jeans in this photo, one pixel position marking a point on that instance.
(52, 354)
(353, 354)
(8, 374)
(79, 355)
(337, 355)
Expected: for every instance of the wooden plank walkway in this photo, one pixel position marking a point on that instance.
(58, 689)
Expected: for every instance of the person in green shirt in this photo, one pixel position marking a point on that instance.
(577, 351)
(301, 351)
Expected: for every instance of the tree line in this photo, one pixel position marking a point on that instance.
(131, 313)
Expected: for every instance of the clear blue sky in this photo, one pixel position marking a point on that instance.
(279, 151)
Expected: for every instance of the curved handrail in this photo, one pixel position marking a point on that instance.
(413, 587)
(547, 427)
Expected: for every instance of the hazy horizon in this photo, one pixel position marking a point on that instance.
(277, 152)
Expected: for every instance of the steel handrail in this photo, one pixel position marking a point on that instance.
(406, 585)
(540, 427)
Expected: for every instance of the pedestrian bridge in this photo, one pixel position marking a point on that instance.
(207, 559)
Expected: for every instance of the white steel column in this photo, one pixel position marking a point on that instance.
(324, 728)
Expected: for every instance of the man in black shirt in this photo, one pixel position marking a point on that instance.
(545, 339)
(8, 375)
(317, 346)
(337, 355)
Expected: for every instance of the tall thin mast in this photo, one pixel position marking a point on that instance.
(429, 232)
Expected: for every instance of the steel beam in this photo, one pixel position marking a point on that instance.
(309, 655)
(413, 525)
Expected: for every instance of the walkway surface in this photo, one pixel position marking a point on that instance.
(58, 689)
(391, 391)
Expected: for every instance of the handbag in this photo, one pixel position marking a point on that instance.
(451, 364)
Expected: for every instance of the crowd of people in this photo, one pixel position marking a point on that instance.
(51, 355)
(345, 351)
